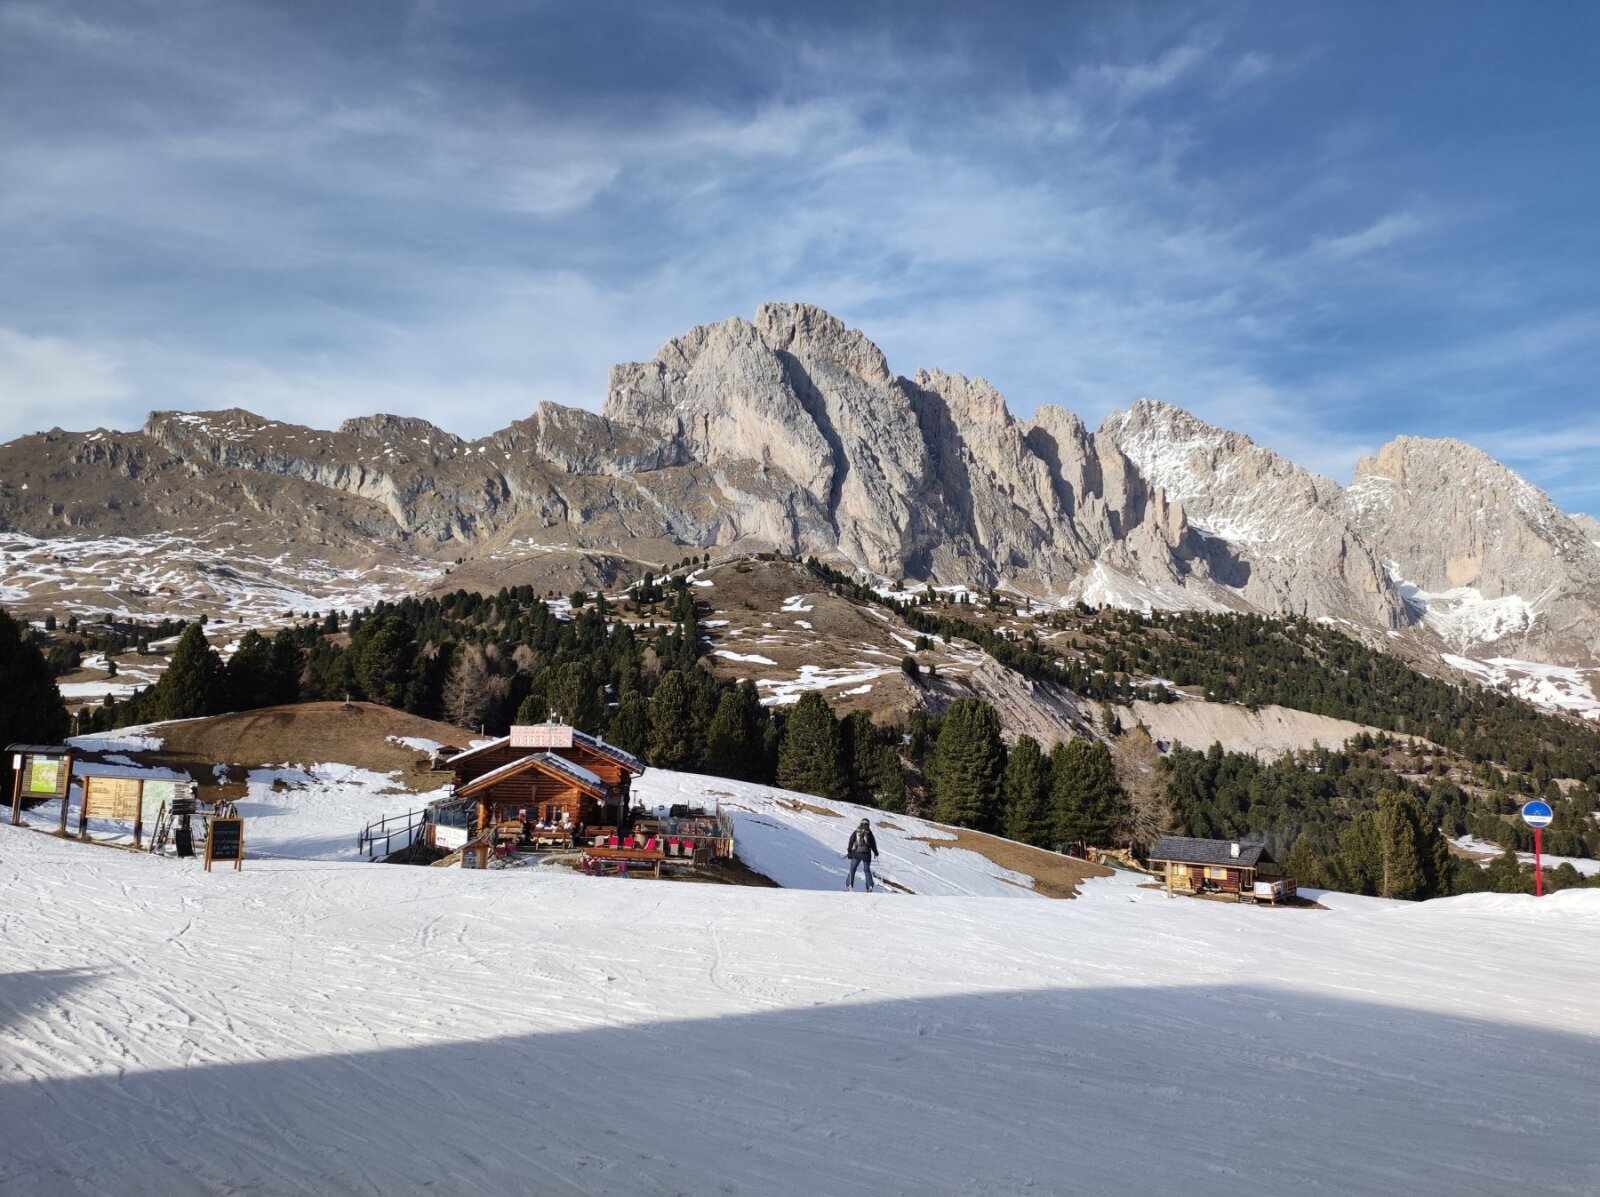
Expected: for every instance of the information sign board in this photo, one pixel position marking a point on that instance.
(111, 798)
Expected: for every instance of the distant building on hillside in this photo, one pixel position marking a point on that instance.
(1245, 870)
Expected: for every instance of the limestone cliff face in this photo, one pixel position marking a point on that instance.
(789, 432)
(1277, 533)
(1491, 558)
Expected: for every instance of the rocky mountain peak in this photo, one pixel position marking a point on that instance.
(806, 330)
(385, 427)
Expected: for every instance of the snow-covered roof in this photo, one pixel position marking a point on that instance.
(461, 756)
(626, 759)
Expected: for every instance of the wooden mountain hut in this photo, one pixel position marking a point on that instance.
(548, 779)
(1195, 866)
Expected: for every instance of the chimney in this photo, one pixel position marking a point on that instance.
(1233, 849)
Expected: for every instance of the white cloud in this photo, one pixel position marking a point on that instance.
(55, 382)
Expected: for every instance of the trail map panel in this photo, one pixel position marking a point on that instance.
(46, 777)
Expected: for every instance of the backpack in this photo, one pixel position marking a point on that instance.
(860, 843)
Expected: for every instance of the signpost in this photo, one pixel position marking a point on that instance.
(1537, 815)
(39, 771)
(225, 841)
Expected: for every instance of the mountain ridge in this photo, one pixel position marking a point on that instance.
(790, 433)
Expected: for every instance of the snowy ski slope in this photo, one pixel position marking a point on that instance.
(326, 1026)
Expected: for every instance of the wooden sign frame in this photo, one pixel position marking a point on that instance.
(211, 842)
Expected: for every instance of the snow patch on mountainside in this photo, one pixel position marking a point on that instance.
(185, 573)
(1554, 687)
(1462, 617)
(1105, 587)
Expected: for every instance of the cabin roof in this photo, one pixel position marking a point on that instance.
(594, 743)
(1183, 850)
(545, 762)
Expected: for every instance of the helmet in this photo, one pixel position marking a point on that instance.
(866, 823)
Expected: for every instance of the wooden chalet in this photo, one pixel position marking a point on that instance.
(549, 779)
(1221, 867)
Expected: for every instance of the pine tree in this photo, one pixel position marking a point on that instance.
(576, 697)
(382, 651)
(1084, 792)
(1400, 842)
(809, 756)
(630, 726)
(31, 710)
(733, 739)
(287, 664)
(968, 759)
(192, 684)
(672, 724)
(248, 674)
(1025, 794)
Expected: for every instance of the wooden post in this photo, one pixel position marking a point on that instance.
(61, 829)
(19, 763)
(138, 818)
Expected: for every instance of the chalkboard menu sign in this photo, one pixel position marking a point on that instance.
(225, 841)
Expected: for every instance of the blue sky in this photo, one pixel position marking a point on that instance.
(1322, 225)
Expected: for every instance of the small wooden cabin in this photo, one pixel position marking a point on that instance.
(1214, 866)
(561, 777)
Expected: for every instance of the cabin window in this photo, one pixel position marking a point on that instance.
(1216, 873)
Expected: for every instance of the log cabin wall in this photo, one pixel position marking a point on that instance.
(545, 798)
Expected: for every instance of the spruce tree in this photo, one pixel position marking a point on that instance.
(31, 710)
(248, 674)
(1084, 792)
(968, 759)
(382, 651)
(1400, 843)
(672, 724)
(1025, 795)
(733, 739)
(630, 726)
(193, 684)
(576, 697)
(808, 757)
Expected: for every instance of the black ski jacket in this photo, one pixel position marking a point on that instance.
(863, 846)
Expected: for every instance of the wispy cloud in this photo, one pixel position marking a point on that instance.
(320, 212)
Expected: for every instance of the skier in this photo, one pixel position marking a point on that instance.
(862, 848)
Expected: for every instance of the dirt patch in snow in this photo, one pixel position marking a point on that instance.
(306, 733)
(800, 807)
(1054, 875)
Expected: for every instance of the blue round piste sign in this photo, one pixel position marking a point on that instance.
(1537, 814)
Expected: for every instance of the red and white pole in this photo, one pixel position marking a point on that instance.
(1538, 873)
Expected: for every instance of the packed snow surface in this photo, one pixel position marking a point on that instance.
(307, 1026)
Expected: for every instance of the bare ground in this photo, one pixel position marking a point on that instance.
(1054, 875)
(304, 733)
